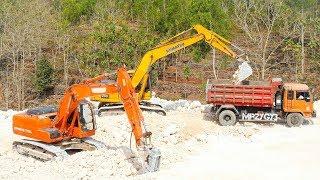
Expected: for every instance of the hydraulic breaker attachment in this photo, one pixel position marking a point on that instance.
(153, 160)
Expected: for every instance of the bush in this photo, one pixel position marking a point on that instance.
(43, 75)
(72, 10)
(186, 71)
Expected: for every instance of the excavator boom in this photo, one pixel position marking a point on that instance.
(172, 45)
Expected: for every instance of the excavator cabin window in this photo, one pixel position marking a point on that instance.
(86, 117)
(148, 85)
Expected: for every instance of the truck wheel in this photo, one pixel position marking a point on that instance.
(227, 118)
(294, 120)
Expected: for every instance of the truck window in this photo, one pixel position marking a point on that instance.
(303, 95)
(290, 95)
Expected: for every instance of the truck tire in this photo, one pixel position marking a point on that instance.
(227, 118)
(294, 120)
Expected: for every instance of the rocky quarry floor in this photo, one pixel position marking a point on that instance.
(193, 146)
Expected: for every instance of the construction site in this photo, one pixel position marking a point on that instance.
(116, 89)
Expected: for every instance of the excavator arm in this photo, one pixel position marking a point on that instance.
(173, 45)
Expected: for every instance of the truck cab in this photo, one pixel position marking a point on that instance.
(297, 99)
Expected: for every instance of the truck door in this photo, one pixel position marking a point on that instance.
(287, 99)
(302, 101)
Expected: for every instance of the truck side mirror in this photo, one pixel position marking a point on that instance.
(307, 99)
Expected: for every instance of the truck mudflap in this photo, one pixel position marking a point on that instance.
(314, 114)
(227, 107)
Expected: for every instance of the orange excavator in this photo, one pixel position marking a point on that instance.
(58, 132)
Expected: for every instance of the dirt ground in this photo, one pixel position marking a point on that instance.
(180, 90)
(192, 147)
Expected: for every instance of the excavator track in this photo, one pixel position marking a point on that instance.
(95, 143)
(38, 150)
(155, 109)
(61, 150)
(119, 109)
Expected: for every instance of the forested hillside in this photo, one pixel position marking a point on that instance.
(47, 45)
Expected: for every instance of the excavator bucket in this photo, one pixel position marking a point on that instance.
(153, 160)
(243, 72)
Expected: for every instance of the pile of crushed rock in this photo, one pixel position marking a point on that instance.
(316, 107)
(118, 160)
(7, 115)
(180, 105)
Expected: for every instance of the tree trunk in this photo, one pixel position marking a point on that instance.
(7, 88)
(65, 67)
(214, 62)
(302, 50)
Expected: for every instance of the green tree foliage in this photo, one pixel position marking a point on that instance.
(301, 4)
(186, 71)
(73, 10)
(43, 75)
(172, 17)
(111, 46)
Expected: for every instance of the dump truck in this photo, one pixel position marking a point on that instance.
(271, 101)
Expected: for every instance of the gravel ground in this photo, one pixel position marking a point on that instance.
(192, 146)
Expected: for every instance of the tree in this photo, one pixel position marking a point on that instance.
(303, 16)
(186, 71)
(25, 32)
(72, 10)
(43, 75)
(267, 24)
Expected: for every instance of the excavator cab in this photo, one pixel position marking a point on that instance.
(83, 121)
(146, 94)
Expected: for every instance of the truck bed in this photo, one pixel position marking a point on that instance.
(254, 93)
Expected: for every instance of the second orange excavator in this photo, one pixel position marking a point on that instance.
(55, 132)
